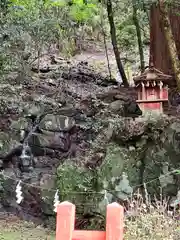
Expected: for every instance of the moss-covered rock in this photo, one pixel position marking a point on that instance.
(56, 123)
(146, 152)
(7, 142)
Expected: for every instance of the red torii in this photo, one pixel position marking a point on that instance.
(66, 219)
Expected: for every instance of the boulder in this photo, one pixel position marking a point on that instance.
(117, 107)
(56, 123)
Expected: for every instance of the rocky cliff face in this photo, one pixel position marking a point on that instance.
(70, 128)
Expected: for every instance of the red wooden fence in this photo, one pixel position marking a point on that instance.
(66, 219)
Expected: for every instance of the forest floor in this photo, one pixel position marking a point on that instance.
(98, 59)
(14, 229)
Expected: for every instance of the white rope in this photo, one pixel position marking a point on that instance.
(19, 193)
(81, 192)
(56, 200)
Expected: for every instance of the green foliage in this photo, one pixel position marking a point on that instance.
(34, 25)
(78, 185)
(82, 182)
(126, 31)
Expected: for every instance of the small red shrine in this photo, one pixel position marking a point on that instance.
(152, 89)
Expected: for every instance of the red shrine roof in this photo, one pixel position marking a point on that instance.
(152, 74)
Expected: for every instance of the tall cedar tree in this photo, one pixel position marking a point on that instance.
(170, 40)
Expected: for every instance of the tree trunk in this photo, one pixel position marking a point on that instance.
(105, 43)
(170, 41)
(114, 43)
(139, 38)
(4, 7)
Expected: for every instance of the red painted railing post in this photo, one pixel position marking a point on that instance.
(65, 221)
(114, 222)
